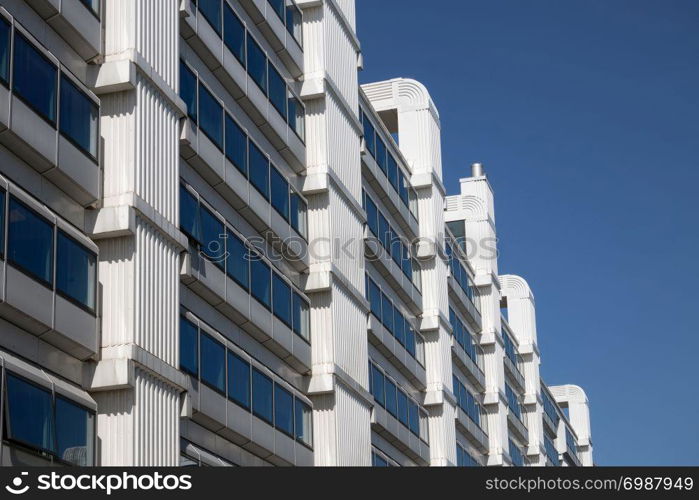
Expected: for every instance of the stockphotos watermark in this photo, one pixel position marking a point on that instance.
(373, 248)
(100, 483)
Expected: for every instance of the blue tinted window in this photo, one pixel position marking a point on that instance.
(239, 380)
(79, 117)
(303, 422)
(399, 326)
(283, 410)
(233, 33)
(259, 170)
(4, 51)
(281, 299)
(30, 414)
(35, 79)
(279, 7)
(403, 188)
(75, 271)
(387, 309)
(372, 214)
(93, 5)
(392, 171)
(74, 433)
(213, 244)
(280, 193)
(211, 116)
(302, 319)
(384, 232)
(188, 90)
(189, 347)
(236, 145)
(375, 299)
(381, 154)
(377, 385)
(213, 363)
(406, 262)
(257, 64)
(261, 282)
(30, 242)
(238, 264)
(190, 222)
(377, 461)
(294, 22)
(277, 91)
(297, 116)
(391, 398)
(262, 395)
(2, 223)
(414, 418)
(369, 136)
(211, 9)
(298, 214)
(403, 408)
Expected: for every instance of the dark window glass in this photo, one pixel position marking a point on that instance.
(4, 51)
(377, 461)
(190, 222)
(399, 326)
(211, 117)
(30, 242)
(74, 433)
(283, 410)
(93, 5)
(259, 170)
(372, 214)
(298, 214)
(377, 385)
(381, 155)
(387, 316)
(297, 116)
(406, 262)
(2, 223)
(35, 79)
(30, 414)
(294, 22)
(211, 9)
(303, 422)
(238, 265)
(79, 117)
(233, 33)
(281, 299)
(413, 418)
(403, 188)
(238, 380)
(392, 171)
(189, 347)
(278, 7)
(261, 281)
(75, 271)
(391, 398)
(257, 64)
(188, 90)
(375, 299)
(280, 193)
(410, 341)
(302, 318)
(262, 395)
(213, 363)
(384, 232)
(403, 408)
(236, 145)
(213, 245)
(369, 136)
(277, 91)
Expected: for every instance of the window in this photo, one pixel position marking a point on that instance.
(410, 341)
(280, 193)
(74, 433)
(384, 232)
(381, 155)
(236, 145)
(233, 33)
(30, 242)
(403, 187)
(399, 326)
(298, 214)
(302, 320)
(30, 414)
(303, 422)
(79, 117)
(5, 33)
(283, 410)
(277, 91)
(387, 309)
(213, 233)
(75, 271)
(464, 459)
(391, 398)
(414, 418)
(35, 79)
(378, 461)
(294, 22)
(372, 214)
(213, 363)
(369, 136)
(377, 385)
(278, 7)
(281, 299)
(297, 116)
(375, 298)
(189, 347)
(93, 5)
(2, 224)
(257, 64)
(238, 380)
(551, 452)
(238, 265)
(259, 170)
(211, 117)
(513, 401)
(188, 90)
(393, 172)
(262, 395)
(516, 455)
(211, 9)
(190, 223)
(261, 281)
(403, 408)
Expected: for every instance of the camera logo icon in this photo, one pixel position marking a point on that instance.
(16, 487)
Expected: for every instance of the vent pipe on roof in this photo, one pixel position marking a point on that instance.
(477, 170)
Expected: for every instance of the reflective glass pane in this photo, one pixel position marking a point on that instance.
(262, 395)
(277, 91)
(74, 433)
(190, 222)
(297, 116)
(2, 223)
(239, 380)
(377, 385)
(211, 9)
(30, 414)
(259, 170)
(299, 214)
(302, 320)
(403, 408)
(387, 312)
(189, 347)
(236, 145)
(213, 363)
(369, 136)
(238, 263)
(261, 281)
(391, 398)
(257, 64)
(35, 79)
(211, 117)
(213, 245)
(303, 422)
(30, 242)
(283, 410)
(372, 214)
(4, 51)
(188, 90)
(79, 117)
(279, 193)
(281, 299)
(75, 271)
(233, 33)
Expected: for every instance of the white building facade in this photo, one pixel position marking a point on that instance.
(218, 249)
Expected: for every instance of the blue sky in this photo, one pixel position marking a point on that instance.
(586, 115)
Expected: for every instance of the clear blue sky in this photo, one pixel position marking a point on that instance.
(586, 115)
